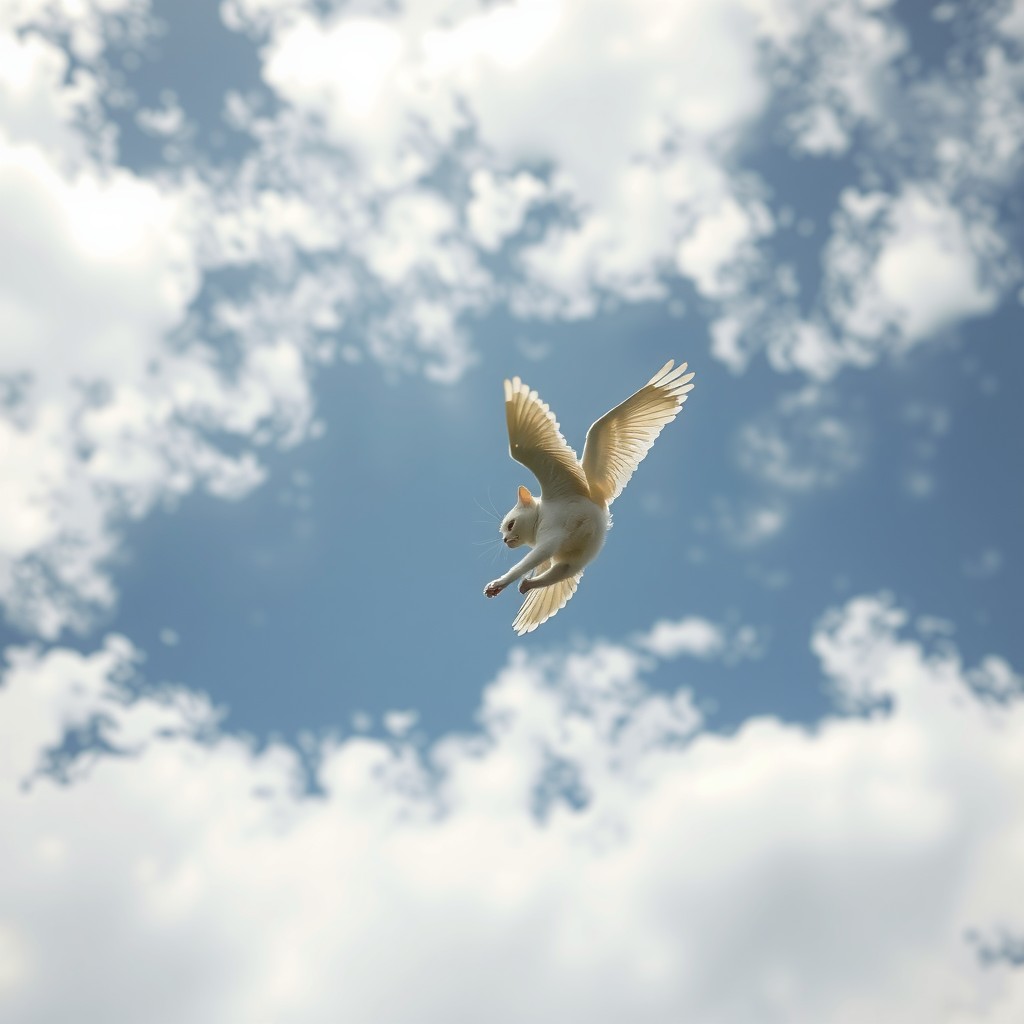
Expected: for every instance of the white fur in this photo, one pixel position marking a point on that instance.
(570, 531)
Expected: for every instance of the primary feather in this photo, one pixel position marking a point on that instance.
(619, 440)
(535, 440)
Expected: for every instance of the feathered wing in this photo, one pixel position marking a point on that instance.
(535, 441)
(541, 604)
(619, 440)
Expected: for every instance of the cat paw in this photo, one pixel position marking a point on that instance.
(525, 587)
(494, 588)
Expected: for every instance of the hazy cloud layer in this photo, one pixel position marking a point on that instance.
(588, 852)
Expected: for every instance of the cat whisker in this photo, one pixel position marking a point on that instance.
(487, 512)
(493, 545)
(490, 500)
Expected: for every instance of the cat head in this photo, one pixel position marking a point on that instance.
(520, 524)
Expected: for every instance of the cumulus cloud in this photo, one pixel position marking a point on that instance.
(419, 167)
(921, 244)
(626, 123)
(110, 392)
(167, 121)
(911, 266)
(499, 205)
(39, 101)
(827, 874)
(899, 269)
(109, 399)
(694, 636)
(87, 25)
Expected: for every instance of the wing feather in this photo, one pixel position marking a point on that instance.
(619, 440)
(541, 604)
(535, 440)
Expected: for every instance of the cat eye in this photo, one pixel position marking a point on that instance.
(511, 523)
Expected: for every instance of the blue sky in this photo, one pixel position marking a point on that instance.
(264, 267)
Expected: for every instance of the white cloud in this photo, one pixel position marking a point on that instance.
(713, 247)
(166, 121)
(931, 248)
(109, 388)
(819, 132)
(87, 24)
(926, 275)
(919, 483)
(984, 565)
(629, 127)
(1012, 21)
(598, 149)
(107, 416)
(694, 636)
(398, 723)
(747, 523)
(499, 205)
(631, 113)
(995, 677)
(697, 637)
(630, 122)
(169, 637)
(36, 103)
(114, 247)
(847, 72)
(807, 442)
(411, 227)
(349, 73)
(831, 874)
(899, 269)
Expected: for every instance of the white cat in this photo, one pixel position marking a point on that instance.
(566, 525)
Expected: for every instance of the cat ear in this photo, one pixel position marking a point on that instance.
(525, 497)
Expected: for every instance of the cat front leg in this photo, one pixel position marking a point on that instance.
(539, 554)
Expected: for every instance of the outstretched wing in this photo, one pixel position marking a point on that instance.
(535, 441)
(541, 604)
(619, 440)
